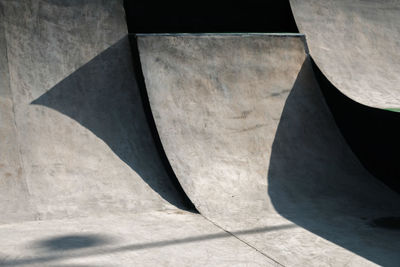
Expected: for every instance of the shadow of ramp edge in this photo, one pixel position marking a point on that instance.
(316, 182)
(103, 96)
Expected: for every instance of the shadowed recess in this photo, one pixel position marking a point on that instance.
(209, 16)
(392, 223)
(316, 182)
(373, 134)
(103, 96)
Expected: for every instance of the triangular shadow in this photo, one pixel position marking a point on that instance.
(104, 97)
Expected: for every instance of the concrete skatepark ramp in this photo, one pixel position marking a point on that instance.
(82, 143)
(250, 138)
(81, 180)
(242, 122)
(355, 43)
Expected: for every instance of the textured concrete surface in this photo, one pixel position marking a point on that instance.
(14, 196)
(170, 238)
(250, 138)
(77, 142)
(356, 45)
(81, 181)
(242, 121)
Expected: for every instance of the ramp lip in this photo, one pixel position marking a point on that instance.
(242, 34)
(227, 34)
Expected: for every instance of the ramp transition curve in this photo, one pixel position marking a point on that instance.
(253, 143)
(355, 44)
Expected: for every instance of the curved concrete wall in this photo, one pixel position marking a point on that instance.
(14, 196)
(355, 48)
(355, 44)
(74, 137)
(250, 138)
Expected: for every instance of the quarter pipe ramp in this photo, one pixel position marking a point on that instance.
(81, 180)
(250, 138)
(355, 44)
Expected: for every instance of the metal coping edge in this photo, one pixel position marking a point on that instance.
(221, 34)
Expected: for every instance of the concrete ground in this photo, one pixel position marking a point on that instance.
(170, 238)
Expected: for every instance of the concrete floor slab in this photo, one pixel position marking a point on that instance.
(169, 238)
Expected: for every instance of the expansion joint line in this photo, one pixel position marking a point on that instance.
(244, 242)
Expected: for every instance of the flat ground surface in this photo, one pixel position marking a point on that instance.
(172, 238)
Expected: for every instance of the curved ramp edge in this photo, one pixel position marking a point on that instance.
(371, 133)
(77, 142)
(355, 44)
(249, 136)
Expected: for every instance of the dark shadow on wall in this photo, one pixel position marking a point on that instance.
(373, 134)
(103, 96)
(147, 16)
(316, 181)
(150, 119)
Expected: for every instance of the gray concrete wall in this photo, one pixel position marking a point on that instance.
(75, 137)
(14, 195)
(250, 138)
(355, 44)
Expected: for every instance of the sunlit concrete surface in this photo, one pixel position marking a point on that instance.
(252, 141)
(356, 45)
(81, 179)
(77, 142)
(173, 238)
(242, 121)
